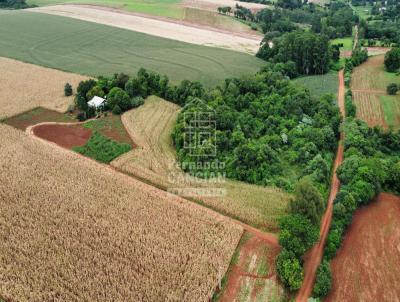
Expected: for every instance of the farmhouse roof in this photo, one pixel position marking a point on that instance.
(96, 101)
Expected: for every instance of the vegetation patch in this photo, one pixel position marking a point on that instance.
(103, 149)
(319, 84)
(110, 126)
(118, 50)
(36, 116)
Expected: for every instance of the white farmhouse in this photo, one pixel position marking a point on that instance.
(97, 102)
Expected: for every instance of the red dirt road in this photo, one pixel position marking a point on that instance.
(63, 135)
(366, 267)
(314, 257)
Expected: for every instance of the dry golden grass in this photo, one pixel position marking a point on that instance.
(25, 86)
(75, 230)
(154, 161)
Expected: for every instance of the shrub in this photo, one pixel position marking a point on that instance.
(117, 110)
(392, 60)
(119, 97)
(137, 101)
(67, 89)
(81, 116)
(297, 234)
(308, 201)
(392, 89)
(289, 270)
(323, 279)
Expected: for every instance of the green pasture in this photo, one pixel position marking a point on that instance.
(165, 8)
(347, 43)
(320, 84)
(94, 49)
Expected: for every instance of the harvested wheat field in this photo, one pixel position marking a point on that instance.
(75, 230)
(366, 267)
(155, 27)
(373, 104)
(25, 86)
(154, 161)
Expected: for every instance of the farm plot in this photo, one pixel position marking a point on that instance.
(252, 274)
(369, 108)
(369, 94)
(25, 86)
(95, 49)
(366, 267)
(319, 84)
(154, 161)
(80, 231)
(155, 27)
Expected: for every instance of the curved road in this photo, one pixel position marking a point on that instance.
(315, 255)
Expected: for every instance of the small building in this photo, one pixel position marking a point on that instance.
(97, 102)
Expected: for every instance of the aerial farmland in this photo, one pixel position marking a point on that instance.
(208, 150)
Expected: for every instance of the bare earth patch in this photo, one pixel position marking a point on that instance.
(252, 273)
(366, 267)
(25, 86)
(155, 27)
(75, 230)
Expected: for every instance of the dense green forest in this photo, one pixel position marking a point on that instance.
(267, 132)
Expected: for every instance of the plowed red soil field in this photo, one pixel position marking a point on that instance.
(367, 266)
(66, 136)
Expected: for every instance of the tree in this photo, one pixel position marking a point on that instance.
(119, 97)
(323, 280)
(84, 87)
(392, 89)
(297, 234)
(307, 201)
(392, 60)
(94, 91)
(67, 89)
(289, 270)
(117, 110)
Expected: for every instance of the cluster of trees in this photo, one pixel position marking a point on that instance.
(337, 22)
(265, 126)
(124, 92)
(14, 4)
(311, 53)
(225, 10)
(299, 231)
(371, 164)
(392, 60)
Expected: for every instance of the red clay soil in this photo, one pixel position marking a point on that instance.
(66, 136)
(254, 246)
(367, 266)
(314, 257)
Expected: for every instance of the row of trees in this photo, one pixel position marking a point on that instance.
(371, 164)
(311, 53)
(124, 92)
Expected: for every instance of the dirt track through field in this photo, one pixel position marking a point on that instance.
(314, 257)
(155, 27)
